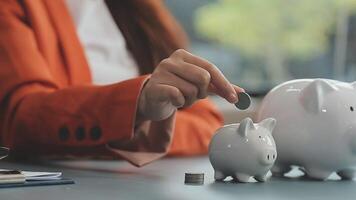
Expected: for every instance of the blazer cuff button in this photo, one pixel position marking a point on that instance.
(80, 133)
(95, 133)
(63, 133)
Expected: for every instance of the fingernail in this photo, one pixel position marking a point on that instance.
(232, 98)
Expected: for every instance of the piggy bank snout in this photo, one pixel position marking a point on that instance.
(268, 157)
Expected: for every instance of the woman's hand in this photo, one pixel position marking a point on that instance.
(179, 81)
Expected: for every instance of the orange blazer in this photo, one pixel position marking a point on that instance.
(49, 106)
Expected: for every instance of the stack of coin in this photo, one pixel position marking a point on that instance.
(244, 101)
(194, 178)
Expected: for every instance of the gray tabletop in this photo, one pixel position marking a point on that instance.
(164, 179)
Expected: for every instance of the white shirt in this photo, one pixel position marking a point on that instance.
(103, 43)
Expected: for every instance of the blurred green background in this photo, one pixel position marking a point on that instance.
(261, 43)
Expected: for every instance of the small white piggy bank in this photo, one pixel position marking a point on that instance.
(316, 126)
(243, 150)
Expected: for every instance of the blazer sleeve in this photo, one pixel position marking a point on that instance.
(194, 128)
(37, 115)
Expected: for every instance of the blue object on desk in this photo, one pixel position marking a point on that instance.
(38, 183)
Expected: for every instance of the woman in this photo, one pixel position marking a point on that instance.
(103, 78)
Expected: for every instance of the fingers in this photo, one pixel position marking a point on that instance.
(237, 88)
(213, 89)
(226, 90)
(199, 77)
(187, 89)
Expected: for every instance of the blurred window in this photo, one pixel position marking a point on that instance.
(260, 43)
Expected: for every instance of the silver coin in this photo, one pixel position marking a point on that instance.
(244, 101)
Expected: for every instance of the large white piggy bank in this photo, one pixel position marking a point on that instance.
(243, 150)
(316, 126)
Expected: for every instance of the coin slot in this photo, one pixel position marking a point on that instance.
(351, 108)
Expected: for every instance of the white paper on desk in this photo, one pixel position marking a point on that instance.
(36, 176)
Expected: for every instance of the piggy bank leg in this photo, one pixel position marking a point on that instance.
(280, 169)
(317, 174)
(219, 176)
(347, 174)
(261, 178)
(242, 178)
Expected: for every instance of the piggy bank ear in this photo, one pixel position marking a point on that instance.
(268, 124)
(245, 125)
(313, 95)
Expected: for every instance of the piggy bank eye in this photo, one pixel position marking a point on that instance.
(351, 108)
(259, 137)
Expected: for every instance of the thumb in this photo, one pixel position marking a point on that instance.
(171, 93)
